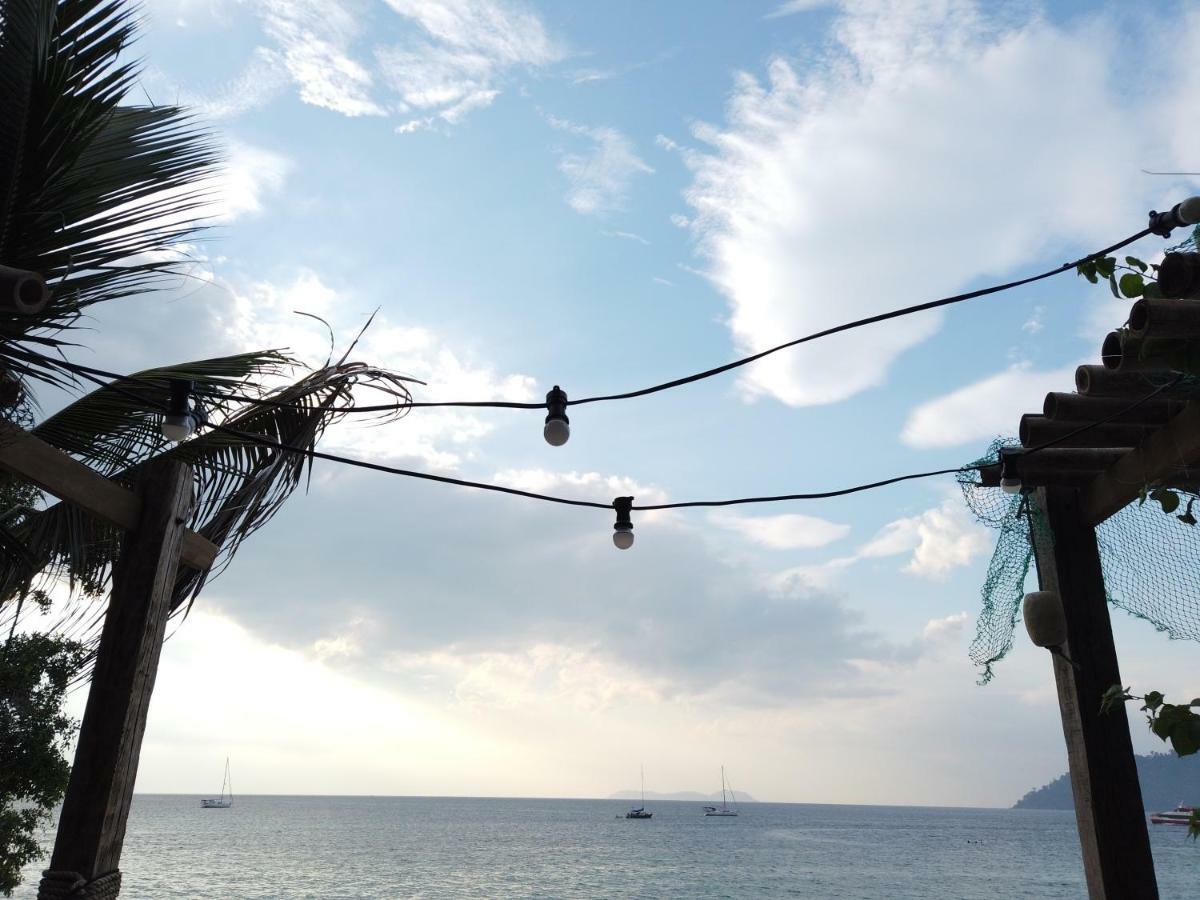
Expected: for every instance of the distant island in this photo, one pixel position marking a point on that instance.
(1166, 780)
(738, 796)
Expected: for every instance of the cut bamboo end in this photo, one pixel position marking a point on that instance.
(1179, 276)
(1165, 319)
(22, 292)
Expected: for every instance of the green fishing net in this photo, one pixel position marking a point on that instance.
(1150, 559)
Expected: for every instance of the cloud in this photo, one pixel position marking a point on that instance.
(455, 58)
(628, 236)
(985, 409)
(662, 281)
(499, 582)
(912, 96)
(783, 532)
(315, 38)
(465, 50)
(791, 7)
(946, 628)
(263, 314)
(940, 539)
(599, 179)
(248, 176)
(1036, 321)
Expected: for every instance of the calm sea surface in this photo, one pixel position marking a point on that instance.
(385, 847)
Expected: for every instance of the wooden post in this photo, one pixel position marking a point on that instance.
(91, 827)
(1104, 780)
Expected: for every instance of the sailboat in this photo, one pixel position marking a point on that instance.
(639, 812)
(724, 809)
(221, 802)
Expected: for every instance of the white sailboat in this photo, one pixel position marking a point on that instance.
(723, 809)
(639, 812)
(222, 802)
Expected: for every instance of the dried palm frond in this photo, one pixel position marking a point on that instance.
(239, 483)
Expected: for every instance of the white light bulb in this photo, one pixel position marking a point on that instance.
(623, 538)
(556, 432)
(1010, 485)
(178, 428)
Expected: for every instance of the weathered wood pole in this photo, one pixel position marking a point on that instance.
(91, 827)
(1104, 781)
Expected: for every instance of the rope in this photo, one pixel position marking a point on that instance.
(61, 885)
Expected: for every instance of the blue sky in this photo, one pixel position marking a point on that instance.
(604, 196)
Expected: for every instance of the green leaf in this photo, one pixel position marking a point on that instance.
(1168, 499)
(1131, 284)
(1136, 263)
(1151, 291)
(1194, 825)
(1087, 270)
(1112, 284)
(1153, 700)
(1106, 266)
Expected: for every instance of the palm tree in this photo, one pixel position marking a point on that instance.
(96, 196)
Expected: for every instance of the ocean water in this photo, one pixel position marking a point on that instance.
(425, 847)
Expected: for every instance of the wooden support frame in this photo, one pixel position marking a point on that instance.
(1166, 453)
(1109, 811)
(91, 826)
(32, 459)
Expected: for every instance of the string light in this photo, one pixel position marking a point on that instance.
(623, 529)
(557, 430)
(178, 421)
(1186, 210)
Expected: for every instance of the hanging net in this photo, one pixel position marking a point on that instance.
(1150, 559)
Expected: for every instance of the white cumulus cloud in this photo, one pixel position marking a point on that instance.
(783, 532)
(927, 151)
(984, 409)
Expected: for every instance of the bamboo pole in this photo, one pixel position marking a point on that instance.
(1036, 430)
(1082, 408)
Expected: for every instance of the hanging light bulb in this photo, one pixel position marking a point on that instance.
(1044, 619)
(558, 426)
(179, 421)
(623, 529)
(1010, 477)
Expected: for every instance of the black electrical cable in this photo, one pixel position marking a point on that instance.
(460, 482)
(707, 373)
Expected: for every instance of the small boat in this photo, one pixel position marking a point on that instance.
(1180, 815)
(221, 802)
(723, 809)
(639, 812)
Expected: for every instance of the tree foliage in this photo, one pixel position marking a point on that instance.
(35, 671)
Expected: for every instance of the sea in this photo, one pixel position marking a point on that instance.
(455, 847)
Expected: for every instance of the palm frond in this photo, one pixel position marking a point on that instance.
(92, 193)
(239, 483)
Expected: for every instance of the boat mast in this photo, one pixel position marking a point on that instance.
(724, 805)
(643, 785)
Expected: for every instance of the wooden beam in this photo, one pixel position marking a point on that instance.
(67, 478)
(1104, 782)
(1170, 450)
(91, 826)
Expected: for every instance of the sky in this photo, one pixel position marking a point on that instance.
(605, 196)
